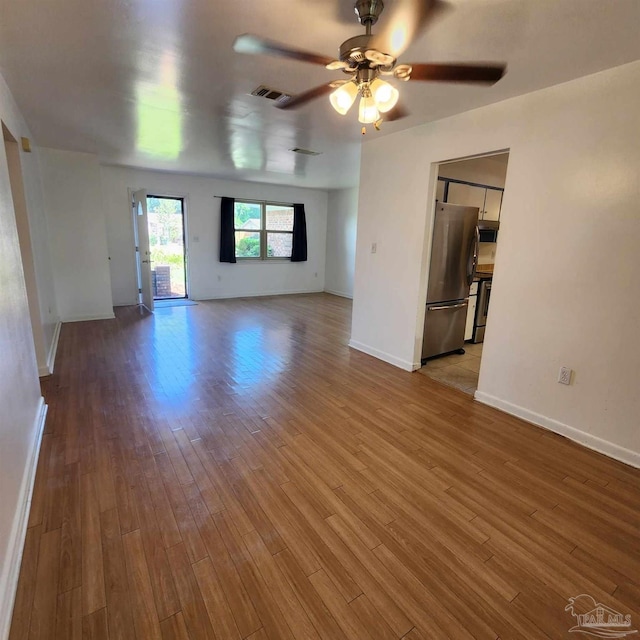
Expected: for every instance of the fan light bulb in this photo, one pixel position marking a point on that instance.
(368, 111)
(343, 97)
(384, 95)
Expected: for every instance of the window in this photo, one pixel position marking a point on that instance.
(263, 230)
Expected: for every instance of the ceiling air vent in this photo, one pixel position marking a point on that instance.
(306, 152)
(270, 94)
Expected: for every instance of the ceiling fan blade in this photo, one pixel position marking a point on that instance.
(408, 18)
(307, 96)
(481, 73)
(255, 45)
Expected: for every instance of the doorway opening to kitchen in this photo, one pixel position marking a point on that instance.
(478, 183)
(165, 215)
(16, 186)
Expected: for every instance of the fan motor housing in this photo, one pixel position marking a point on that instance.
(353, 49)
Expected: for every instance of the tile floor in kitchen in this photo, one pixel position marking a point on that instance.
(457, 370)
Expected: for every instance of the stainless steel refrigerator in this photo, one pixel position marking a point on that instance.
(454, 256)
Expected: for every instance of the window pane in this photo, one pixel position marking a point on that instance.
(279, 245)
(247, 244)
(247, 215)
(279, 218)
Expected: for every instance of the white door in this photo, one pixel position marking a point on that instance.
(142, 242)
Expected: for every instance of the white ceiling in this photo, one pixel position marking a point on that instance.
(156, 84)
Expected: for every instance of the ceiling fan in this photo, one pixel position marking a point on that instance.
(365, 58)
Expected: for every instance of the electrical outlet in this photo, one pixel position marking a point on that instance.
(564, 377)
(374, 247)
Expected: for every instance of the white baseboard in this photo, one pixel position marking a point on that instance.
(9, 582)
(253, 294)
(47, 370)
(586, 439)
(106, 316)
(342, 294)
(407, 365)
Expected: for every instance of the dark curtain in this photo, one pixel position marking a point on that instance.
(227, 236)
(299, 249)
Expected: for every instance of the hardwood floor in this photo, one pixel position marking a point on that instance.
(234, 470)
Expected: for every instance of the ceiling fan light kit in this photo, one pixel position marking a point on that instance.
(343, 97)
(376, 97)
(367, 56)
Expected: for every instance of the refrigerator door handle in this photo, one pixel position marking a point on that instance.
(473, 258)
(442, 307)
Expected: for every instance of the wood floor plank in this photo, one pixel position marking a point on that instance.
(271, 616)
(182, 514)
(164, 591)
(351, 624)
(95, 626)
(213, 594)
(45, 598)
(244, 612)
(233, 470)
(69, 614)
(169, 530)
(26, 585)
(370, 617)
(315, 608)
(36, 512)
(93, 593)
(71, 531)
(193, 608)
(174, 628)
(52, 518)
(326, 544)
(143, 608)
(119, 615)
(127, 513)
(280, 590)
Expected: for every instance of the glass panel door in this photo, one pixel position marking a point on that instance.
(166, 241)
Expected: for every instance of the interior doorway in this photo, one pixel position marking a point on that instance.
(474, 182)
(26, 250)
(167, 247)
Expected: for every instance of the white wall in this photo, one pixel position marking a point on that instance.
(20, 401)
(77, 231)
(209, 278)
(342, 221)
(572, 192)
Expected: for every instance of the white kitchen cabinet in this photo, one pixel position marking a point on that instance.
(471, 311)
(492, 205)
(467, 195)
(488, 201)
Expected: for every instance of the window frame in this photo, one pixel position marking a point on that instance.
(263, 231)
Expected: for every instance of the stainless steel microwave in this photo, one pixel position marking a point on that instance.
(488, 230)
